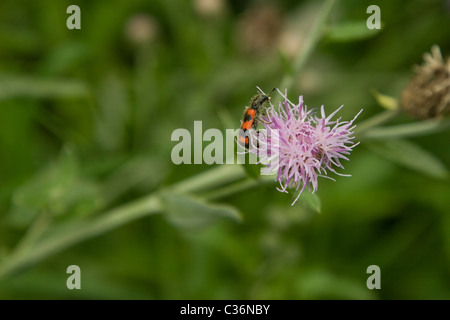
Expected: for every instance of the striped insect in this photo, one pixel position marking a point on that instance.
(251, 117)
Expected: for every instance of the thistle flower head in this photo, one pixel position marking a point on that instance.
(427, 95)
(300, 145)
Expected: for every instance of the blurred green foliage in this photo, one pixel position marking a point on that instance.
(86, 118)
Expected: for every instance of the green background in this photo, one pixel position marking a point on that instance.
(86, 118)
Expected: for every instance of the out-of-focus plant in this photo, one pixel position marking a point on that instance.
(189, 203)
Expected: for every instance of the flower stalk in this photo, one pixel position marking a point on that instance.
(56, 239)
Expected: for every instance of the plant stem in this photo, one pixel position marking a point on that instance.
(407, 130)
(237, 187)
(61, 238)
(207, 180)
(64, 237)
(375, 121)
(34, 231)
(313, 38)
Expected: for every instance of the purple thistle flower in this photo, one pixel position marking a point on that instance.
(299, 146)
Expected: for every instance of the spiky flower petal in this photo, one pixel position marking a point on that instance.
(299, 145)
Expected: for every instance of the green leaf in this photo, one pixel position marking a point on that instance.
(187, 211)
(310, 200)
(143, 171)
(409, 155)
(114, 113)
(35, 87)
(350, 31)
(387, 102)
(64, 57)
(58, 189)
(407, 130)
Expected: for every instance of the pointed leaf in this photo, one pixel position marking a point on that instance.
(310, 200)
(409, 155)
(351, 31)
(187, 211)
(418, 128)
(58, 189)
(387, 102)
(35, 87)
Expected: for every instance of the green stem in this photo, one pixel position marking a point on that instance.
(34, 232)
(375, 121)
(212, 178)
(311, 41)
(237, 187)
(407, 130)
(62, 238)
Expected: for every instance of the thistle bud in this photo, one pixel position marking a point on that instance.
(427, 95)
